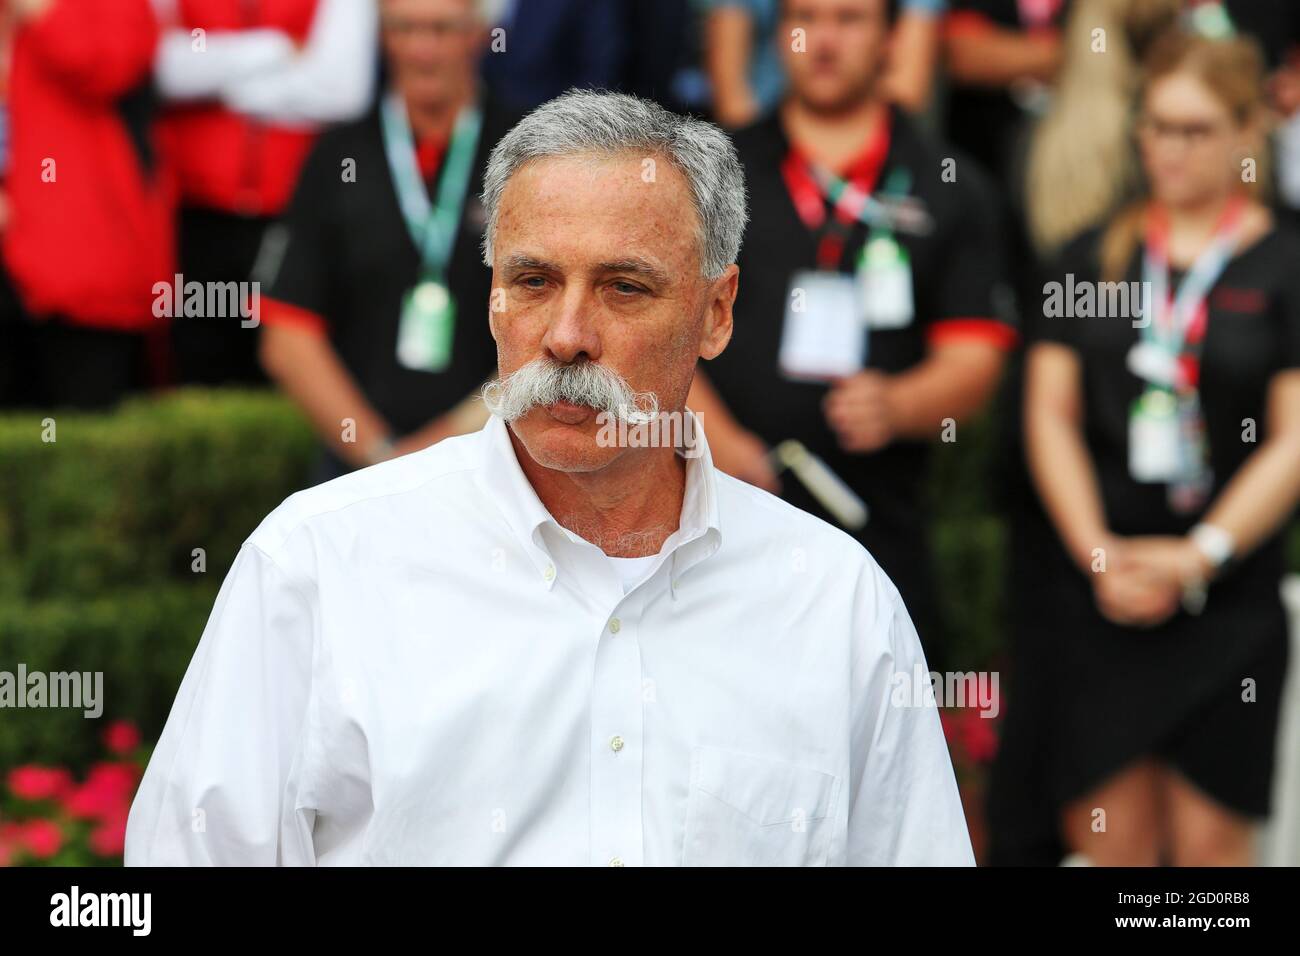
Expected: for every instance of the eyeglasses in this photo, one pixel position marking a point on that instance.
(1194, 134)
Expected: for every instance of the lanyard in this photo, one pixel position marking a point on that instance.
(1178, 321)
(811, 187)
(433, 227)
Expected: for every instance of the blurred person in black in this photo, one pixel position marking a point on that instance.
(373, 311)
(916, 268)
(248, 86)
(546, 47)
(1073, 182)
(1002, 57)
(660, 40)
(1165, 444)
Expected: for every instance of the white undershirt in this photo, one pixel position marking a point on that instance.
(631, 570)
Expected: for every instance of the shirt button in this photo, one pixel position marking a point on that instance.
(549, 573)
(616, 743)
(616, 861)
(614, 626)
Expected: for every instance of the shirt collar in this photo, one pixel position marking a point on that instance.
(502, 478)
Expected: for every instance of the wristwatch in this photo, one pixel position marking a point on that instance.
(1218, 547)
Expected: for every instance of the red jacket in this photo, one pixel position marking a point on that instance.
(90, 231)
(225, 161)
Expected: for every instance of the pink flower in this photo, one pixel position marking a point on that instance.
(121, 737)
(39, 783)
(109, 838)
(40, 838)
(981, 739)
(108, 789)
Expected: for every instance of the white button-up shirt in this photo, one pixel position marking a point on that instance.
(415, 664)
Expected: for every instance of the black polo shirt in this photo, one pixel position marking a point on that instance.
(956, 277)
(345, 259)
(1252, 333)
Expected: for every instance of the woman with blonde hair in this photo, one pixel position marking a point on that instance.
(1164, 441)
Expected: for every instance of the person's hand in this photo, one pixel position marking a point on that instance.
(858, 410)
(744, 455)
(1171, 559)
(1142, 585)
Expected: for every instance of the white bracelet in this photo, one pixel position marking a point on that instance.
(1217, 545)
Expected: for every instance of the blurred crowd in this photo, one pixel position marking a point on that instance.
(253, 191)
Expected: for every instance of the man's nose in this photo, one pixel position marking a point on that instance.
(573, 333)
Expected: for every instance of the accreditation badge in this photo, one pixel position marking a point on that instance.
(822, 337)
(1155, 447)
(885, 284)
(428, 322)
(1152, 363)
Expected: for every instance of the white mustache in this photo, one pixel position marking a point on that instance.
(545, 381)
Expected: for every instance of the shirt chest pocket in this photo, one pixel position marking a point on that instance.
(750, 810)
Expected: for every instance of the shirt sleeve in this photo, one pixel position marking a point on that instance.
(331, 80)
(295, 262)
(184, 72)
(972, 295)
(223, 783)
(100, 49)
(904, 807)
(1052, 318)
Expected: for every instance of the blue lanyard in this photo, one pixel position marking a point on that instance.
(433, 226)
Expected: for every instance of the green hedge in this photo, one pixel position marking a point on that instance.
(98, 530)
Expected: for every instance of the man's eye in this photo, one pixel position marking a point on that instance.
(534, 282)
(627, 288)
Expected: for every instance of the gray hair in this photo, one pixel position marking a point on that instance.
(583, 121)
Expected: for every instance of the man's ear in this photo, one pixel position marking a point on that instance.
(496, 295)
(718, 318)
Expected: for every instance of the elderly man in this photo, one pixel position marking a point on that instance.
(535, 645)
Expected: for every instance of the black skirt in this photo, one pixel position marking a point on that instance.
(1201, 693)
(1087, 698)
